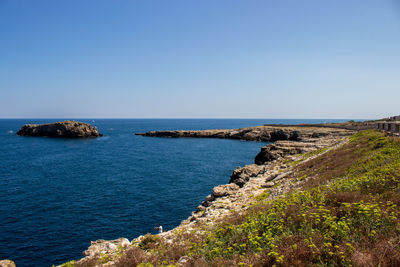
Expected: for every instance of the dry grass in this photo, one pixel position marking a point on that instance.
(332, 164)
(132, 257)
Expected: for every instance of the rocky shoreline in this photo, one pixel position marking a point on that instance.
(272, 169)
(259, 133)
(272, 175)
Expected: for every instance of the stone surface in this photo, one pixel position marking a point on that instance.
(7, 263)
(224, 190)
(283, 148)
(183, 261)
(269, 184)
(105, 246)
(270, 177)
(241, 175)
(70, 129)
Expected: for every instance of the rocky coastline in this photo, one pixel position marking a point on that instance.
(272, 174)
(66, 129)
(272, 170)
(260, 133)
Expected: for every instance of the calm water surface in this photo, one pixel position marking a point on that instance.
(56, 195)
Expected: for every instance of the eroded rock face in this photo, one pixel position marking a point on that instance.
(224, 190)
(278, 135)
(70, 129)
(101, 247)
(105, 246)
(267, 154)
(292, 146)
(281, 149)
(241, 175)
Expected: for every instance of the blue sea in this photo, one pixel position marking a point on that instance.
(57, 195)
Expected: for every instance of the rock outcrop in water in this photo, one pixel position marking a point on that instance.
(70, 129)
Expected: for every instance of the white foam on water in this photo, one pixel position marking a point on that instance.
(103, 138)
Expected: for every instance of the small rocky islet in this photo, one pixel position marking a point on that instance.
(66, 129)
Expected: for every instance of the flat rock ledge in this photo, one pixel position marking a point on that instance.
(259, 133)
(68, 129)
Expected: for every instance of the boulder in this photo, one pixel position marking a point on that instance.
(7, 263)
(268, 184)
(242, 175)
(224, 190)
(70, 129)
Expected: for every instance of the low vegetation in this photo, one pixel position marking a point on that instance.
(346, 214)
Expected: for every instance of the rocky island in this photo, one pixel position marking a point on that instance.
(67, 129)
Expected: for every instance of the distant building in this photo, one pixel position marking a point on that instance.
(390, 126)
(395, 118)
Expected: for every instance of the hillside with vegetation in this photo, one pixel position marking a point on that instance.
(346, 213)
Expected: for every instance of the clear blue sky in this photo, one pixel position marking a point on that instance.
(199, 59)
